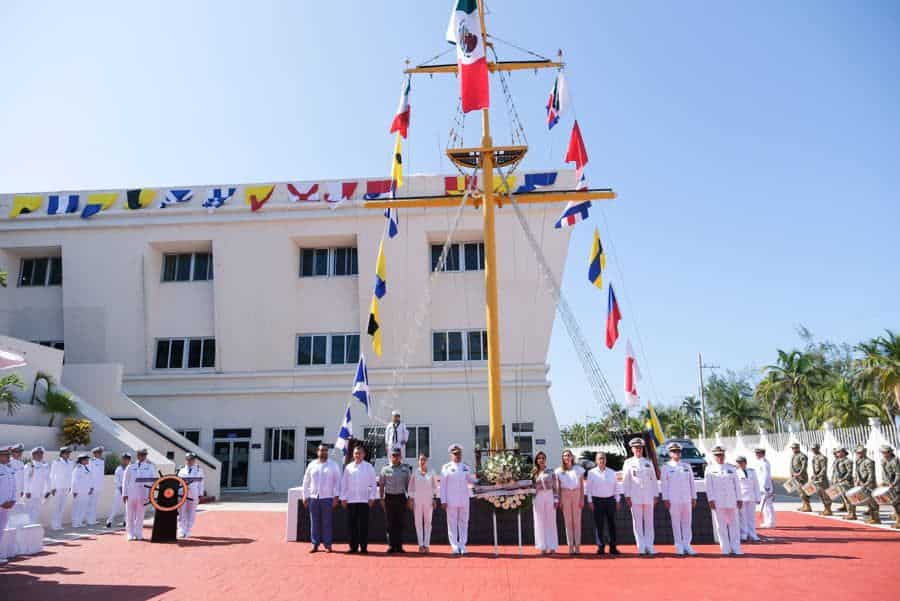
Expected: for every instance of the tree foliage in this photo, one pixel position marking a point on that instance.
(7, 397)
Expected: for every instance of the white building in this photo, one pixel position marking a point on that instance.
(241, 329)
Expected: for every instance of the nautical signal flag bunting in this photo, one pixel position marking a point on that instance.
(598, 261)
(257, 196)
(139, 198)
(577, 153)
(613, 316)
(400, 124)
(464, 31)
(98, 201)
(23, 204)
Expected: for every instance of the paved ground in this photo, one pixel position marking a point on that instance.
(241, 555)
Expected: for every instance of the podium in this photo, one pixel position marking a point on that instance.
(167, 494)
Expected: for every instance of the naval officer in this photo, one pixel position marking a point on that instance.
(641, 490)
(456, 477)
(118, 505)
(135, 494)
(396, 434)
(37, 484)
(748, 484)
(82, 489)
(187, 513)
(97, 466)
(7, 494)
(60, 485)
(766, 488)
(680, 497)
(724, 496)
(18, 468)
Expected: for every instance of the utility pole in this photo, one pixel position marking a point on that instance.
(701, 367)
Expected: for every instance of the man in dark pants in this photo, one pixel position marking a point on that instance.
(359, 489)
(600, 490)
(393, 482)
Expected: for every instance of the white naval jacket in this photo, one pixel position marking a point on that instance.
(37, 478)
(722, 485)
(748, 485)
(118, 478)
(61, 476)
(7, 485)
(195, 489)
(98, 470)
(455, 481)
(676, 482)
(82, 480)
(130, 486)
(395, 436)
(764, 475)
(639, 481)
(18, 469)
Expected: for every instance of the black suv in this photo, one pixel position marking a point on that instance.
(689, 454)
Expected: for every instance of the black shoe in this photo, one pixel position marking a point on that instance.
(613, 550)
(364, 551)
(391, 550)
(314, 549)
(399, 550)
(108, 524)
(600, 550)
(352, 550)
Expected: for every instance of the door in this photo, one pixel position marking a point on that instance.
(235, 458)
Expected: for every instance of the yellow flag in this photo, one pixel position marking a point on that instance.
(397, 165)
(374, 328)
(139, 198)
(25, 204)
(257, 196)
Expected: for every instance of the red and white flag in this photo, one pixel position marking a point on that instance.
(632, 375)
(401, 119)
(298, 194)
(577, 153)
(464, 31)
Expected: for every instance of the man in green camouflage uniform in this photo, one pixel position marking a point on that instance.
(820, 477)
(839, 473)
(865, 477)
(798, 471)
(890, 466)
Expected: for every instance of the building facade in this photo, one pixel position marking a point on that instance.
(241, 329)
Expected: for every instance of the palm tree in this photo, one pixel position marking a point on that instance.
(7, 383)
(879, 368)
(682, 424)
(691, 407)
(846, 405)
(794, 382)
(59, 403)
(737, 412)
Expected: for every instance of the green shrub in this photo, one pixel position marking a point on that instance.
(76, 432)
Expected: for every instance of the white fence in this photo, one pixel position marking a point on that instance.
(778, 445)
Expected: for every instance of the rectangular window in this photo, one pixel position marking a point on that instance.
(312, 439)
(279, 444)
(328, 262)
(192, 435)
(375, 435)
(419, 442)
(327, 349)
(43, 271)
(523, 438)
(452, 261)
(190, 353)
(483, 437)
(460, 257)
(457, 345)
(185, 267)
(474, 255)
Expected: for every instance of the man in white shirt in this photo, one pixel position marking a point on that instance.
(724, 500)
(767, 490)
(750, 496)
(118, 505)
(7, 494)
(456, 477)
(601, 497)
(680, 497)
(187, 513)
(396, 434)
(135, 494)
(82, 489)
(321, 492)
(60, 485)
(97, 466)
(641, 489)
(18, 468)
(358, 492)
(37, 484)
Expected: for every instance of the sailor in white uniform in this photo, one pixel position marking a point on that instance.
(187, 513)
(118, 505)
(724, 497)
(640, 488)
(680, 497)
(18, 468)
(456, 477)
(766, 489)
(750, 496)
(37, 484)
(60, 485)
(396, 434)
(82, 489)
(97, 466)
(135, 494)
(7, 494)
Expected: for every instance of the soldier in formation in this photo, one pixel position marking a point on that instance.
(82, 489)
(641, 491)
(798, 472)
(766, 488)
(456, 477)
(118, 505)
(820, 477)
(135, 494)
(60, 485)
(7, 494)
(750, 496)
(724, 497)
(865, 477)
(842, 474)
(679, 495)
(187, 513)
(890, 467)
(97, 466)
(37, 484)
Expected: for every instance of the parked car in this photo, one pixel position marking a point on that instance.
(689, 454)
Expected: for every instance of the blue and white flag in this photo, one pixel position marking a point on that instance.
(57, 204)
(345, 433)
(176, 196)
(361, 384)
(393, 221)
(216, 197)
(533, 181)
(582, 183)
(573, 213)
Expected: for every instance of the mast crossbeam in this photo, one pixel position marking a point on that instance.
(493, 66)
(498, 197)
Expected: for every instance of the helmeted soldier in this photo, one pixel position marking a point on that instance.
(843, 475)
(820, 477)
(890, 466)
(798, 472)
(865, 477)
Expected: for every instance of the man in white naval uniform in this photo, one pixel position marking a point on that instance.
(456, 477)
(135, 494)
(641, 491)
(724, 500)
(37, 484)
(680, 497)
(396, 435)
(60, 485)
(97, 466)
(187, 513)
(750, 496)
(766, 489)
(118, 505)
(82, 489)
(7, 494)
(18, 468)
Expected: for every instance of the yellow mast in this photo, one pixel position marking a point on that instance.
(484, 157)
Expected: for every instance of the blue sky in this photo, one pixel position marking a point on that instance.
(754, 146)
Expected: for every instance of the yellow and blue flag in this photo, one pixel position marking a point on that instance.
(373, 328)
(380, 273)
(139, 198)
(598, 261)
(654, 428)
(98, 201)
(25, 203)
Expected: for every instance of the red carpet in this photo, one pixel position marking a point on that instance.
(240, 556)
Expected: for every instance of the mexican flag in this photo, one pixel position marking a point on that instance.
(465, 31)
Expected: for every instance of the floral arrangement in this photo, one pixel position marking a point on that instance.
(505, 468)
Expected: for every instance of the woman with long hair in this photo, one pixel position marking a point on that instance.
(570, 481)
(546, 501)
(423, 493)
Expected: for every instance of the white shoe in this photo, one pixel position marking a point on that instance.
(737, 552)
(690, 552)
(130, 537)
(679, 553)
(651, 551)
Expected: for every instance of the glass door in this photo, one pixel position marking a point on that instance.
(234, 455)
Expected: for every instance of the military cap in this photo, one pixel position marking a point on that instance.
(741, 459)
(190, 455)
(396, 451)
(673, 446)
(636, 442)
(395, 413)
(454, 447)
(841, 448)
(18, 447)
(98, 449)
(4, 450)
(126, 454)
(83, 456)
(37, 450)
(759, 450)
(142, 451)
(816, 446)
(64, 450)
(718, 450)
(795, 445)
(886, 448)
(860, 449)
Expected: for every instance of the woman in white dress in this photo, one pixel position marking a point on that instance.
(546, 501)
(423, 494)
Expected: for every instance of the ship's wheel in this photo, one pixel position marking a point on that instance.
(168, 493)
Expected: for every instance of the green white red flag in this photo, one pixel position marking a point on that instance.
(465, 32)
